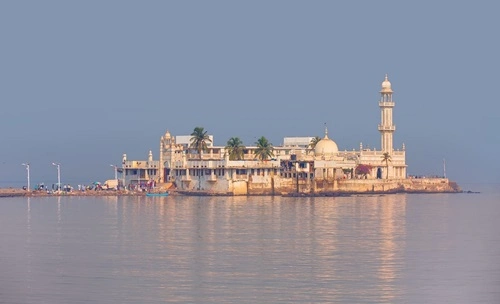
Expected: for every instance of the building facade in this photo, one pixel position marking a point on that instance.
(296, 165)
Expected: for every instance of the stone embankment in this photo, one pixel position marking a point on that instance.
(409, 185)
(327, 188)
(11, 192)
(330, 187)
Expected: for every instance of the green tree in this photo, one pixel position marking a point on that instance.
(264, 149)
(314, 142)
(199, 139)
(234, 148)
(386, 157)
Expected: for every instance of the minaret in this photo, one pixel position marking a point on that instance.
(165, 146)
(386, 127)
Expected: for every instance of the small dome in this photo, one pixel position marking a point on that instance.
(167, 134)
(326, 147)
(386, 85)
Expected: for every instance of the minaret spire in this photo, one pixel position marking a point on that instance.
(386, 126)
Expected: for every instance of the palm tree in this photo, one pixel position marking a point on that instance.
(386, 157)
(235, 148)
(264, 149)
(199, 139)
(314, 142)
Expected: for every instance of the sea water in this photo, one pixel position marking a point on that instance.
(401, 248)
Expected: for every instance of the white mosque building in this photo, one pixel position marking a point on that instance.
(295, 168)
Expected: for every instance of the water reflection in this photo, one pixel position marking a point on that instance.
(58, 209)
(365, 249)
(204, 249)
(28, 203)
(334, 241)
(393, 233)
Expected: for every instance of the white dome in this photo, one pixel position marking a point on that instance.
(386, 85)
(326, 147)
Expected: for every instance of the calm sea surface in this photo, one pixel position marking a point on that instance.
(439, 248)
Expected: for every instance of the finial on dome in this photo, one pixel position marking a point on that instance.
(386, 85)
(326, 131)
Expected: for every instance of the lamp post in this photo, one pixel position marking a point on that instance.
(58, 175)
(116, 171)
(27, 165)
(444, 168)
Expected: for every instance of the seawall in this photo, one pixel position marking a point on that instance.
(291, 186)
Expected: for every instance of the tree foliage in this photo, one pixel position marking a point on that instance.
(386, 157)
(314, 141)
(363, 169)
(264, 149)
(235, 148)
(199, 139)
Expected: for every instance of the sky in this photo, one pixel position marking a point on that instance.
(82, 82)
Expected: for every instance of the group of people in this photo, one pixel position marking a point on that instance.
(146, 186)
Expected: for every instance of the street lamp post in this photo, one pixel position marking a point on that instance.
(116, 171)
(27, 165)
(58, 175)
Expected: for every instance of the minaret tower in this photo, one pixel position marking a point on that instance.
(386, 127)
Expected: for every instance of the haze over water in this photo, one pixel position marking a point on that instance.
(442, 248)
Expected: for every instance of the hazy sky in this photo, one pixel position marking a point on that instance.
(82, 82)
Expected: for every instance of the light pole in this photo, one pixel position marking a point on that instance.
(116, 171)
(58, 175)
(444, 168)
(27, 165)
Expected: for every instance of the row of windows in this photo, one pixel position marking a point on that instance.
(151, 172)
(295, 175)
(198, 172)
(221, 172)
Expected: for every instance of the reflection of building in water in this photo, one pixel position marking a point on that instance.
(110, 199)
(298, 165)
(393, 239)
(360, 239)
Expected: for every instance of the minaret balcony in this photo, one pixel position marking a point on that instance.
(386, 128)
(386, 103)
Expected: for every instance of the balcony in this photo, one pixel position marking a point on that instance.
(386, 103)
(253, 164)
(386, 128)
(204, 156)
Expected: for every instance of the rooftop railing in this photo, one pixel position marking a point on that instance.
(133, 164)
